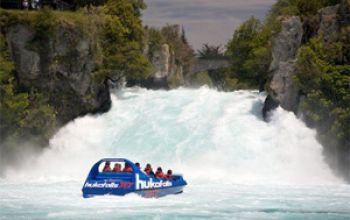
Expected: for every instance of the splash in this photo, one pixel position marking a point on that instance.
(207, 135)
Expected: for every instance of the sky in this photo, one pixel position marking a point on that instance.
(205, 21)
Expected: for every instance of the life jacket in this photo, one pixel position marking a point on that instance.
(107, 169)
(117, 169)
(148, 171)
(160, 175)
(168, 177)
(127, 170)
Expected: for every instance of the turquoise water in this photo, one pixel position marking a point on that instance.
(237, 166)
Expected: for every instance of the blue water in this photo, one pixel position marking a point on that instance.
(237, 166)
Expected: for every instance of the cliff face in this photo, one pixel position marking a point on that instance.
(168, 74)
(329, 25)
(62, 66)
(165, 70)
(303, 96)
(283, 67)
(285, 46)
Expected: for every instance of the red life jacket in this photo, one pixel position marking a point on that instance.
(117, 169)
(148, 171)
(160, 175)
(168, 177)
(107, 169)
(127, 170)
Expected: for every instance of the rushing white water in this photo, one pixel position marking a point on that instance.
(237, 166)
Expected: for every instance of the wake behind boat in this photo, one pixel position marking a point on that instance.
(132, 179)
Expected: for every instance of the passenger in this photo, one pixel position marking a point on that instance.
(117, 167)
(127, 168)
(138, 165)
(169, 175)
(148, 170)
(107, 167)
(160, 174)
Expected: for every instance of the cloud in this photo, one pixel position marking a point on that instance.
(205, 21)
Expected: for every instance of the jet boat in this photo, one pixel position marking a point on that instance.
(121, 183)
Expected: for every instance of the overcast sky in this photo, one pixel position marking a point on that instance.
(205, 21)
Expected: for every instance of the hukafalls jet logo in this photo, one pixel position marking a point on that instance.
(143, 184)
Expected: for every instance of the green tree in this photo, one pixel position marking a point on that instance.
(249, 51)
(23, 115)
(210, 52)
(325, 85)
(155, 40)
(184, 54)
(122, 42)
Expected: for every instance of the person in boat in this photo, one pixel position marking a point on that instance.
(127, 168)
(160, 174)
(138, 165)
(169, 175)
(117, 167)
(107, 167)
(148, 170)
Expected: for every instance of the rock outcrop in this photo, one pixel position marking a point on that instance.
(161, 62)
(285, 45)
(164, 70)
(329, 25)
(62, 67)
(167, 73)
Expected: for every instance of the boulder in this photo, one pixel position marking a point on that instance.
(329, 25)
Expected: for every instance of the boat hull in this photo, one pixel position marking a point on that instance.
(148, 193)
(100, 183)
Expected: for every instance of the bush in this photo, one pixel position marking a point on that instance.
(211, 52)
(23, 115)
(122, 42)
(249, 52)
(326, 88)
(202, 79)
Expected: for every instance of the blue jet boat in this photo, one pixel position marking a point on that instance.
(121, 183)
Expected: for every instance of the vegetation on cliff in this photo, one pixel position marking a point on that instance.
(324, 79)
(175, 38)
(323, 65)
(109, 39)
(211, 52)
(122, 41)
(323, 76)
(23, 114)
(249, 54)
(170, 53)
(249, 51)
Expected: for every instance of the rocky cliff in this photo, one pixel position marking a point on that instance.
(309, 76)
(166, 72)
(60, 65)
(329, 26)
(285, 45)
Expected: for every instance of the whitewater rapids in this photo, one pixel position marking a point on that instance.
(237, 166)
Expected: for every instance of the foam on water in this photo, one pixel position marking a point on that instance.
(229, 155)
